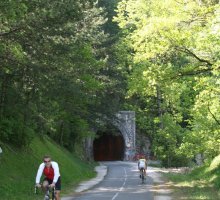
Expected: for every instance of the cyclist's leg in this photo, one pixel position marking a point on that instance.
(140, 172)
(57, 194)
(45, 185)
(57, 189)
(145, 172)
(142, 175)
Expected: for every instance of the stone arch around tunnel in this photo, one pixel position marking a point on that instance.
(124, 122)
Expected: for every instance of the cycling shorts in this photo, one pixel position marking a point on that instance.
(57, 185)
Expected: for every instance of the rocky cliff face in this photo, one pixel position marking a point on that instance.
(143, 145)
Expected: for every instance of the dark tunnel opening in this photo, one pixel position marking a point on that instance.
(108, 147)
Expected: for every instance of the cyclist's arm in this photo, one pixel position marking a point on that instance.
(56, 171)
(39, 173)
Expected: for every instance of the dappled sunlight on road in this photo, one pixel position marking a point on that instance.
(160, 189)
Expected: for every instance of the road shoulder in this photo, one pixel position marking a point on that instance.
(101, 171)
(161, 187)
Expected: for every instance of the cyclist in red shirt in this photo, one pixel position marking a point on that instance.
(50, 169)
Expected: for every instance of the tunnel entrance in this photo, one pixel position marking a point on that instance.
(108, 147)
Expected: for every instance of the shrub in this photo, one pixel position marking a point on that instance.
(14, 132)
(214, 169)
(215, 164)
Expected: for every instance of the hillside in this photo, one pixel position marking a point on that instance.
(18, 169)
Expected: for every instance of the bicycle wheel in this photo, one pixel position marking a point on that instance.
(47, 195)
(142, 178)
(53, 194)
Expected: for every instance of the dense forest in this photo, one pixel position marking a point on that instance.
(67, 66)
(55, 76)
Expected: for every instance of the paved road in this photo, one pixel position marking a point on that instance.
(122, 182)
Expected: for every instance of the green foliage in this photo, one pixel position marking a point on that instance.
(215, 164)
(13, 131)
(167, 142)
(214, 170)
(174, 66)
(68, 66)
(53, 74)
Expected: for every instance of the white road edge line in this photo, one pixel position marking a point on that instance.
(115, 196)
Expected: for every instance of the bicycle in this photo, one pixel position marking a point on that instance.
(142, 175)
(49, 193)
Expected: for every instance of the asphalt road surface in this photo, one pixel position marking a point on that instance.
(122, 182)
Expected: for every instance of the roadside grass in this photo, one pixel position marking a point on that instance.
(199, 184)
(18, 169)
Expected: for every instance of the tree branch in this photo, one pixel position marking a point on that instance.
(2, 34)
(193, 73)
(216, 120)
(185, 50)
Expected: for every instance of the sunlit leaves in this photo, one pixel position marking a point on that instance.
(176, 65)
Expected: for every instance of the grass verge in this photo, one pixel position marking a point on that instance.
(18, 169)
(197, 184)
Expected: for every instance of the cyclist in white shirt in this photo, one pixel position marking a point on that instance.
(50, 169)
(142, 165)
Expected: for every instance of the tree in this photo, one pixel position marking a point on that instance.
(174, 47)
(50, 68)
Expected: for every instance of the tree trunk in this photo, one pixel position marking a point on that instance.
(160, 111)
(61, 132)
(3, 94)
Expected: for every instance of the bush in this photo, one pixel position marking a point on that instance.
(14, 132)
(214, 169)
(215, 164)
(175, 161)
